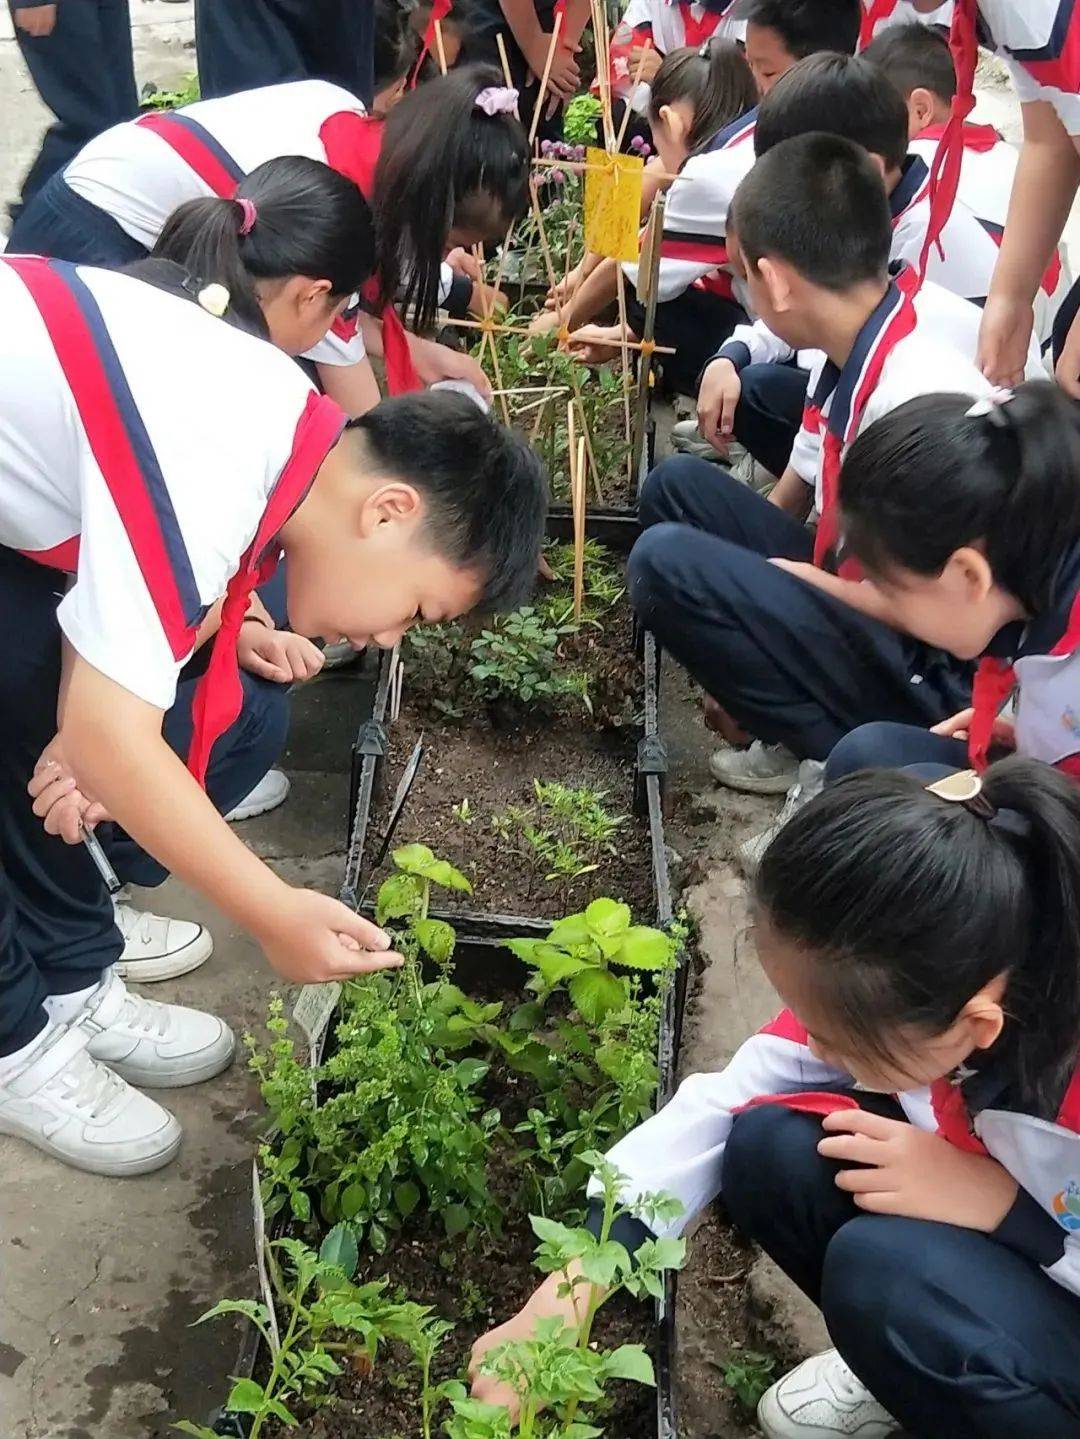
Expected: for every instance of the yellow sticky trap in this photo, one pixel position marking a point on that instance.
(613, 203)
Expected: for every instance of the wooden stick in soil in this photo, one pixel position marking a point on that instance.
(603, 70)
(641, 416)
(439, 48)
(488, 305)
(507, 77)
(498, 329)
(577, 491)
(546, 76)
(623, 322)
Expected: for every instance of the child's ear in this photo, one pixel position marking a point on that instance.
(677, 127)
(390, 504)
(775, 277)
(967, 575)
(984, 1014)
(922, 108)
(879, 161)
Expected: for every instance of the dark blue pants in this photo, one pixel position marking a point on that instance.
(769, 413)
(57, 932)
(791, 664)
(65, 226)
(893, 746)
(85, 74)
(694, 324)
(242, 44)
(956, 1335)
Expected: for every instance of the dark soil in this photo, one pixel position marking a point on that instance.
(492, 761)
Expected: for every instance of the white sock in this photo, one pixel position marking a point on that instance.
(62, 1008)
(11, 1063)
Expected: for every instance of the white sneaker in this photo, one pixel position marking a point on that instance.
(687, 439)
(761, 769)
(340, 654)
(271, 791)
(157, 1046)
(822, 1399)
(158, 948)
(810, 781)
(68, 1105)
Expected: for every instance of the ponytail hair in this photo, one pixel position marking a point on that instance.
(289, 216)
(930, 478)
(904, 905)
(444, 162)
(714, 79)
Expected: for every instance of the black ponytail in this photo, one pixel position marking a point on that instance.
(444, 162)
(930, 478)
(307, 220)
(905, 905)
(715, 80)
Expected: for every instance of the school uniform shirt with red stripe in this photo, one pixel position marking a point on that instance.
(693, 248)
(669, 25)
(1040, 42)
(137, 176)
(147, 491)
(880, 15)
(987, 172)
(680, 1151)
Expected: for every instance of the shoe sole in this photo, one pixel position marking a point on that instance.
(750, 784)
(244, 811)
(119, 1169)
(167, 966)
(208, 1068)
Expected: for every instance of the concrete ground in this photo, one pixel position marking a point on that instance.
(100, 1280)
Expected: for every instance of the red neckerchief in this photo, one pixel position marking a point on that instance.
(439, 11)
(948, 159)
(980, 138)
(696, 32)
(876, 11)
(351, 143)
(851, 389)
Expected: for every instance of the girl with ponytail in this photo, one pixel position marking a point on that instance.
(966, 521)
(290, 250)
(904, 1138)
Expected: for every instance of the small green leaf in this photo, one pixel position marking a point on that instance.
(300, 1205)
(406, 1197)
(199, 1431)
(456, 1219)
(353, 1200)
(595, 993)
(629, 1361)
(570, 932)
(399, 897)
(471, 1071)
(524, 948)
(246, 1396)
(340, 1249)
(413, 858)
(608, 917)
(555, 965)
(249, 1308)
(377, 1237)
(645, 948)
(437, 939)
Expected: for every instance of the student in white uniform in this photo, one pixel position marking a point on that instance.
(882, 15)
(454, 170)
(904, 1137)
(132, 502)
(776, 646)
(918, 62)
(651, 29)
(780, 33)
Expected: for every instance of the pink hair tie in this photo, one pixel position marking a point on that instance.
(249, 213)
(498, 100)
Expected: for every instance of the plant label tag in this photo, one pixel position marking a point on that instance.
(613, 203)
(314, 1006)
(258, 1214)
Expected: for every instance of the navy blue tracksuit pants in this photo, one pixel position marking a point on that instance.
(242, 44)
(84, 73)
(791, 664)
(57, 930)
(958, 1336)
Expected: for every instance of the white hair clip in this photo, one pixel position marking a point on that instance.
(214, 299)
(989, 406)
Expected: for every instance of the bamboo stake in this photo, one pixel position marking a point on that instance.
(624, 352)
(439, 50)
(533, 390)
(577, 495)
(503, 58)
(489, 338)
(544, 82)
(498, 329)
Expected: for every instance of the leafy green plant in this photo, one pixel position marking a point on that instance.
(186, 92)
(567, 831)
(580, 119)
(316, 1297)
(517, 658)
(748, 1375)
(580, 951)
(558, 1372)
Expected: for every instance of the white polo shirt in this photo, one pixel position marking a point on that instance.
(903, 12)
(147, 488)
(1040, 42)
(132, 174)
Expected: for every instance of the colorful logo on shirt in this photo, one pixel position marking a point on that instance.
(1066, 1207)
(1071, 720)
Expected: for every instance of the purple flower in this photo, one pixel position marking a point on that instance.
(545, 147)
(579, 153)
(559, 176)
(646, 149)
(637, 143)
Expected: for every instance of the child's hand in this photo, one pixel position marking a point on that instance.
(310, 938)
(439, 362)
(39, 20)
(462, 263)
(487, 300)
(561, 291)
(58, 801)
(277, 655)
(597, 344)
(1004, 336)
(718, 398)
(649, 58)
(959, 727)
(564, 77)
(1067, 372)
(916, 1174)
(543, 1303)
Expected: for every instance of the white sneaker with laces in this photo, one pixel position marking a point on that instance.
(810, 780)
(761, 769)
(822, 1399)
(158, 948)
(68, 1105)
(272, 790)
(157, 1046)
